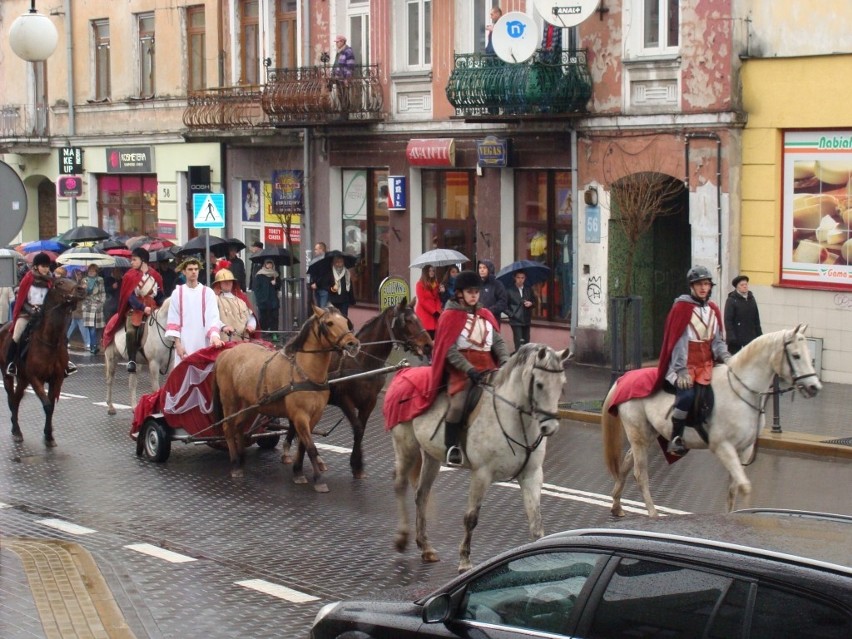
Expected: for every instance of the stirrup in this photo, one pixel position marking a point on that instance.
(12, 369)
(70, 369)
(676, 446)
(455, 457)
(131, 366)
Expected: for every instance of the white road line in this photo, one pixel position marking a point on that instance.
(118, 406)
(335, 449)
(276, 590)
(2, 505)
(61, 395)
(66, 526)
(160, 553)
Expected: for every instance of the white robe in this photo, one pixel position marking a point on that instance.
(195, 327)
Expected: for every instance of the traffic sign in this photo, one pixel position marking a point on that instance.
(208, 210)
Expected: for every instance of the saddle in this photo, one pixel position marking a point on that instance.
(700, 410)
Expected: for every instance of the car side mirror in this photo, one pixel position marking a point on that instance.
(436, 609)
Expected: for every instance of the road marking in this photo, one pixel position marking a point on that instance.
(595, 499)
(276, 590)
(335, 449)
(161, 553)
(2, 505)
(66, 526)
(61, 395)
(118, 406)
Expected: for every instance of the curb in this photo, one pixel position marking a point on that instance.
(786, 441)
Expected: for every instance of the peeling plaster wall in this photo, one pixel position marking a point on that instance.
(781, 28)
(706, 54)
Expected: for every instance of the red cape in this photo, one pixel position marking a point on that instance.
(23, 291)
(128, 283)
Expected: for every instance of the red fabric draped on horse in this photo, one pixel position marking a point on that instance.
(43, 364)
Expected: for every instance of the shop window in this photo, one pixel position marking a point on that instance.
(448, 212)
(366, 228)
(127, 204)
(544, 214)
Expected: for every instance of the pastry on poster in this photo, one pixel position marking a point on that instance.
(818, 176)
(821, 226)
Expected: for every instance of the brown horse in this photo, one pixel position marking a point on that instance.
(46, 357)
(250, 379)
(395, 326)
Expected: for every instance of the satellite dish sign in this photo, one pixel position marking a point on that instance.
(565, 13)
(515, 37)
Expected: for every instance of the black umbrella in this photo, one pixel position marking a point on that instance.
(196, 246)
(84, 234)
(106, 245)
(317, 269)
(235, 244)
(278, 254)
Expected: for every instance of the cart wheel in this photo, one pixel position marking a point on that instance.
(156, 443)
(268, 443)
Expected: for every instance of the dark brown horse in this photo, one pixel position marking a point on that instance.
(393, 327)
(46, 357)
(250, 379)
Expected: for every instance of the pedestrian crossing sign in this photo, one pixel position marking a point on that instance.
(208, 210)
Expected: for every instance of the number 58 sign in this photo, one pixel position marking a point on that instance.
(593, 224)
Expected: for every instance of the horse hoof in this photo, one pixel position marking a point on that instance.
(429, 557)
(401, 542)
(237, 474)
(110, 411)
(17, 438)
(617, 512)
(300, 479)
(321, 488)
(359, 474)
(464, 567)
(287, 459)
(50, 443)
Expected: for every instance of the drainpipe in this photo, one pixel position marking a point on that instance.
(306, 136)
(69, 57)
(575, 243)
(709, 136)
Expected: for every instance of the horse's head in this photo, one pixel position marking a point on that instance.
(797, 367)
(335, 329)
(544, 374)
(406, 328)
(67, 292)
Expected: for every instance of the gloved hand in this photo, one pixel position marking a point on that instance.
(726, 358)
(436, 314)
(475, 376)
(684, 380)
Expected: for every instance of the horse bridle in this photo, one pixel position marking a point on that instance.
(323, 332)
(408, 343)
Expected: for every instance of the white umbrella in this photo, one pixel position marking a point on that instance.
(439, 257)
(85, 255)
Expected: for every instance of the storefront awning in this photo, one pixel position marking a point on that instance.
(431, 152)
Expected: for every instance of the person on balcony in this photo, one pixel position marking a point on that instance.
(496, 14)
(344, 62)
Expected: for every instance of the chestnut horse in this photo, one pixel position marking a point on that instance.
(249, 379)
(395, 326)
(46, 356)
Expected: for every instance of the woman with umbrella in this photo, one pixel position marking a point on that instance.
(428, 307)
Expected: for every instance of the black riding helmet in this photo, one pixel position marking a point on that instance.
(698, 273)
(468, 279)
(42, 259)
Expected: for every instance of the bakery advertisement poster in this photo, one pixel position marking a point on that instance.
(817, 230)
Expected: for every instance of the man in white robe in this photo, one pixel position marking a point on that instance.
(194, 321)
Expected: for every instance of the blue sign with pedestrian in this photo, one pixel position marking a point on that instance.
(208, 210)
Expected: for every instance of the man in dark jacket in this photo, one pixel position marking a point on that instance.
(521, 300)
(493, 296)
(742, 319)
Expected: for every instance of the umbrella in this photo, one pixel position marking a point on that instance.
(160, 255)
(156, 245)
(121, 261)
(218, 246)
(44, 245)
(319, 268)
(84, 234)
(85, 255)
(439, 257)
(536, 272)
(278, 254)
(118, 252)
(111, 244)
(235, 243)
(51, 254)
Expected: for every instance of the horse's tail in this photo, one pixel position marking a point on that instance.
(613, 435)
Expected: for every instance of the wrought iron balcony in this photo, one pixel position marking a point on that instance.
(323, 95)
(23, 123)
(484, 86)
(224, 108)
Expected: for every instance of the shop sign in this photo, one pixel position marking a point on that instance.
(69, 186)
(493, 152)
(431, 152)
(275, 235)
(396, 193)
(167, 230)
(199, 179)
(70, 160)
(392, 291)
(130, 159)
(287, 192)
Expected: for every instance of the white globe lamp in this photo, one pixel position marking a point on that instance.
(33, 36)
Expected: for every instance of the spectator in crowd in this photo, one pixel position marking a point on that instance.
(447, 289)
(93, 306)
(493, 295)
(320, 294)
(520, 301)
(742, 319)
(193, 321)
(428, 307)
(265, 286)
(167, 272)
(77, 314)
(254, 249)
(237, 267)
(338, 283)
(112, 285)
(7, 294)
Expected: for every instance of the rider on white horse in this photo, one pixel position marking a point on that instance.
(467, 342)
(693, 339)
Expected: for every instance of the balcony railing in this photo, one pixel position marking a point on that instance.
(23, 121)
(322, 95)
(485, 86)
(225, 108)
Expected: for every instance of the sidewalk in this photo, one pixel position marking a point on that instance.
(819, 425)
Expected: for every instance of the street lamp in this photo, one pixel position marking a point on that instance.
(33, 36)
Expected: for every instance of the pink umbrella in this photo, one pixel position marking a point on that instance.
(30, 256)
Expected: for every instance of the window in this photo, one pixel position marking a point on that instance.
(482, 18)
(359, 31)
(286, 43)
(366, 228)
(449, 211)
(783, 614)
(249, 42)
(145, 24)
(544, 215)
(419, 34)
(196, 39)
(100, 33)
(535, 592)
(660, 25)
(127, 204)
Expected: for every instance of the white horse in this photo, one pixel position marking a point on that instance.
(741, 389)
(505, 439)
(156, 350)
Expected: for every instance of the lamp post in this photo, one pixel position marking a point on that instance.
(32, 36)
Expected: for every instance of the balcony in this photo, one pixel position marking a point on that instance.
(224, 109)
(484, 87)
(23, 127)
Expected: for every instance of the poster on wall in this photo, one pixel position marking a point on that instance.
(817, 216)
(251, 200)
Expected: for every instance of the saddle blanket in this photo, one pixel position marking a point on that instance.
(408, 395)
(634, 384)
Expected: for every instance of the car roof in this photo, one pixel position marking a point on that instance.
(820, 540)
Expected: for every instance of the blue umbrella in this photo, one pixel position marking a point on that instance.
(44, 245)
(536, 272)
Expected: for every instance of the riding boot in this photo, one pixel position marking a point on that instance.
(132, 346)
(11, 356)
(676, 446)
(452, 431)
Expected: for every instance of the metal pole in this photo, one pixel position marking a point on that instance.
(776, 405)
(207, 267)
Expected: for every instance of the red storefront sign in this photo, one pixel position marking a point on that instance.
(431, 152)
(275, 235)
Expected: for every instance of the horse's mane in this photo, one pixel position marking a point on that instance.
(298, 341)
(368, 326)
(523, 358)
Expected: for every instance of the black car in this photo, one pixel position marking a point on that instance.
(753, 574)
